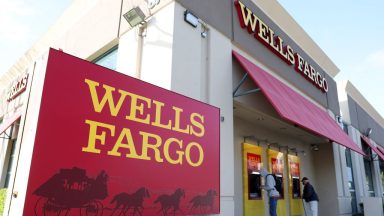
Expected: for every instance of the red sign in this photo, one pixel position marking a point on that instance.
(266, 35)
(295, 169)
(253, 162)
(109, 144)
(277, 166)
(18, 87)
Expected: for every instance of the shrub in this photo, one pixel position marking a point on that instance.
(3, 194)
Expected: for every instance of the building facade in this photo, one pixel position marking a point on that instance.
(279, 104)
(363, 174)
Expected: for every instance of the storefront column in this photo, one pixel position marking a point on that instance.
(344, 197)
(219, 90)
(202, 69)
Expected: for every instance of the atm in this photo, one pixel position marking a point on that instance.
(254, 183)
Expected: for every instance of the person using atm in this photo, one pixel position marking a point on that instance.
(311, 199)
(273, 194)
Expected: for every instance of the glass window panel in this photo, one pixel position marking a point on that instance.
(10, 164)
(108, 59)
(368, 177)
(351, 183)
(382, 174)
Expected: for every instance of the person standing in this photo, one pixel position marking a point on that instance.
(311, 199)
(273, 194)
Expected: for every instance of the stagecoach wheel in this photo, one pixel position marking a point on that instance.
(45, 207)
(39, 206)
(94, 208)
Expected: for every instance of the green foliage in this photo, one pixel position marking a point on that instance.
(3, 194)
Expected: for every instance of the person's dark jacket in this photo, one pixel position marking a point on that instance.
(309, 193)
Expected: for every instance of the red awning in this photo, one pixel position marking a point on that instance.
(8, 122)
(381, 149)
(295, 108)
(376, 150)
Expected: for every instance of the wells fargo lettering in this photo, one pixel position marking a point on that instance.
(266, 35)
(120, 141)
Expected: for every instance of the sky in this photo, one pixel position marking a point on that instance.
(22, 23)
(351, 33)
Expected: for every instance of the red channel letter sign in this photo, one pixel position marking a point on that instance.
(109, 144)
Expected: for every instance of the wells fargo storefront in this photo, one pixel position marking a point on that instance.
(100, 139)
(285, 108)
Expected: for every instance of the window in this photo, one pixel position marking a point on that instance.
(368, 169)
(345, 128)
(9, 156)
(351, 181)
(10, 163)
(368, 178)
(381, 162)
(108, 59)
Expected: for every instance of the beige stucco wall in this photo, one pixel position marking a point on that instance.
(25, 140)
(202, 69)
(95, 30)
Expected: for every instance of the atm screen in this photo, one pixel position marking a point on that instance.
(296, 188)
(280, 185)
(254, 190)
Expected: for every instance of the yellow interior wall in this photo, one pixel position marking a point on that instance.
(251, 207)
(279, 156)
(295, 204)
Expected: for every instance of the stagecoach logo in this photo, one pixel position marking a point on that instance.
(263, 33)
(18, 87)
(72, 190)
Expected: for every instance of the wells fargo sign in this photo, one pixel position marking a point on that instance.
(18, 87)
(109, 144)
(266, 35)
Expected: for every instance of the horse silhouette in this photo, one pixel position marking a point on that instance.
(170, 201)
(203, 201)
(127, 201)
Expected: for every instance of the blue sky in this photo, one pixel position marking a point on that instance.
(22, 23)
(351, 33)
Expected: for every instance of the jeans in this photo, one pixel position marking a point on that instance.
(272, 206)
(311, 208)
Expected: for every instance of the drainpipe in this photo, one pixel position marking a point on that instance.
(140, 46)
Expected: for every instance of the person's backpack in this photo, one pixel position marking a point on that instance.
(279, 183)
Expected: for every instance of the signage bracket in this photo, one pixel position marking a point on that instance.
(374, 157)
(6, 136)
(235, 92)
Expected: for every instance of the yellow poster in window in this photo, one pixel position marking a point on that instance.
(294, 190)
(276, 166)
(252, 193)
